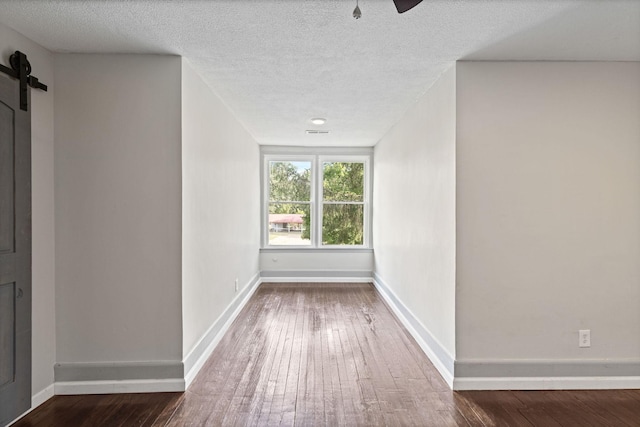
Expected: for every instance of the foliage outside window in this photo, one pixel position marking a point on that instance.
(289, 203)
(316, 201)
(342, 203)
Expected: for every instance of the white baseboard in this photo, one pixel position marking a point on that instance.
(438, 355)
(317, 279)
(197, 357)
(546, 374)
(42, 396)
(316, 276)
(121, 386)
(549, 383)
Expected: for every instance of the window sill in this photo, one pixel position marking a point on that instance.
(296, 249)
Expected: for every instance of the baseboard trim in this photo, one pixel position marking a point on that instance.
(123, 386)
(438, 355)
(304, 279)
(546, 374)
(118, 371)
(316, 276)
(195, 360)
(118, 377)
(547, 368)
(548, 383)
(42, 396)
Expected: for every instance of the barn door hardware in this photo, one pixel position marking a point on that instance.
(21, 70)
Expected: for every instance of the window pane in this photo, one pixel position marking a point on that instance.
(343, 182)
(290, 181)
(342, 224)
(289, 224)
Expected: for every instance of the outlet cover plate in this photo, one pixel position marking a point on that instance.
(584, 338)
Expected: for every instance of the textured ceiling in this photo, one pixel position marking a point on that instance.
(277, 64)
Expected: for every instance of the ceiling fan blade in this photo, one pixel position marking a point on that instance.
(404, 5)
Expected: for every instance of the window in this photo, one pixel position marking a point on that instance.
(289, 207)
(343, 203)
(316, 200)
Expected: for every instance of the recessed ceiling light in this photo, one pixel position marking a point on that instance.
(318, 121)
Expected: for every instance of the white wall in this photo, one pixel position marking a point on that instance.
(548, 211)
(43, 272)
(220, 207)
(118, 208)
(414, 211)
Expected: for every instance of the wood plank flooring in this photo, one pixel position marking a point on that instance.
(330, 354)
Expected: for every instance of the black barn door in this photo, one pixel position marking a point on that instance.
(15, 253)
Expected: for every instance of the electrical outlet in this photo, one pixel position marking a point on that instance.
(584, 339)
(236, 285)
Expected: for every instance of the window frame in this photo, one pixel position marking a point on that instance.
(322, 159)
(317, 157)
(264, 226)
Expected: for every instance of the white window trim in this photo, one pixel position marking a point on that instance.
(317, 156)
(321, 159)
(264, 224)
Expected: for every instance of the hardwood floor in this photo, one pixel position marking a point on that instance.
(331, 354)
